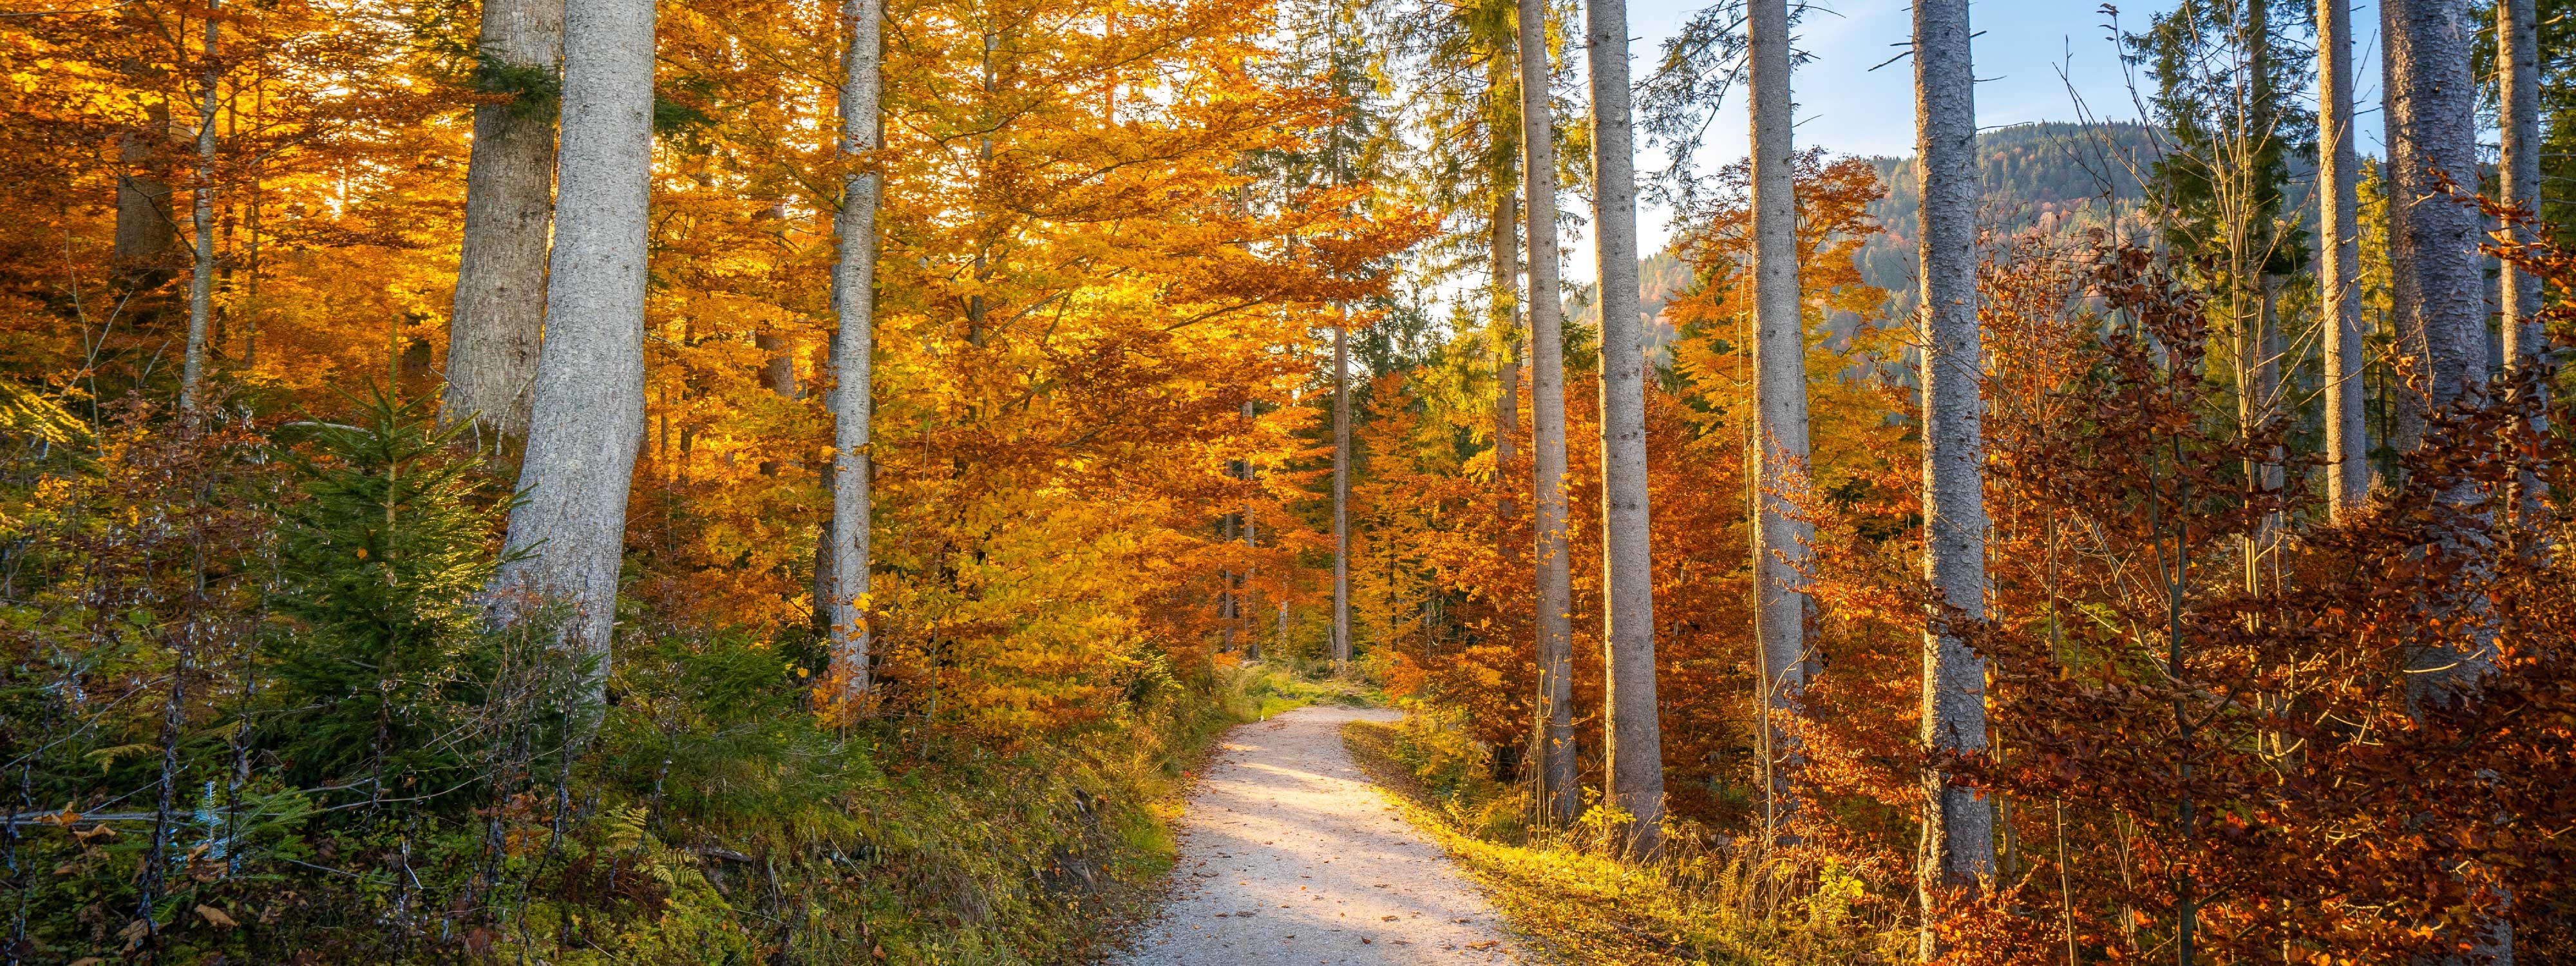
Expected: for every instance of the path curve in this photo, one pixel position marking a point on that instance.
(1290, 855)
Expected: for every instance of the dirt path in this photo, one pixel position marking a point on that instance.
(1290, 855)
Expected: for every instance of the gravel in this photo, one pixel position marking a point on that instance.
(1290, 855)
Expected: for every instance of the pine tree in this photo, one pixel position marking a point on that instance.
(1780, 545)
(1634, 766)
(1560, 793)
(2339, 264)
(1958, 822)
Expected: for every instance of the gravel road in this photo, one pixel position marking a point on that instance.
(1290, 855)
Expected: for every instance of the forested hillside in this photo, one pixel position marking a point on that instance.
(2062, 179)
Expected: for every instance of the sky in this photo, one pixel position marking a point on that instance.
(2034, 60)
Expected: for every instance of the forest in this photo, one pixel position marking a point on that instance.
(802, 482)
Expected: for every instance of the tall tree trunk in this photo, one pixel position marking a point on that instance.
(588, 403)
(2518, 176)
(1780, 385)
(1560, 791)
(1251, 540)
(1958, 824)
(1505, 326)
(201, 288)
(1341, 499)
(1633, 761)
(145, 230)
(2432, 121)
(493, 331)
(853, 349)
(2339, 264)
(2432, 117)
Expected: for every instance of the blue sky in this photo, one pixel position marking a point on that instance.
(2034, 59)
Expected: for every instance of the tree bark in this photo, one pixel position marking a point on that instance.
(201, 288)
(1506, 342)
(2339, 264)
(2432, 111)
(588, 402)
(1958, 823)
(2518, 176)
(1781, 541)
(494, 328)
(1341, 499)
(853, 349)
(145, 230)
(1560, 790)
(1633, 763)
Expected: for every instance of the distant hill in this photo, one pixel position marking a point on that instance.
(2059, 178)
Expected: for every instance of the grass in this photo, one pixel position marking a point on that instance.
(1581, 904)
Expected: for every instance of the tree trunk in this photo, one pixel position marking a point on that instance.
(493, 331)
(145, 230)
(2339, 264)
(201, 288)
(1781, 541)
(1341, 499)
(588, 402)
(2518, 176)
(778, 364)
(1506, 344)
(1560, 791)
(853, 350)
(2432, 121)
(1251, 540)
(1958, 824)
(2432, 112)
(1633, 763)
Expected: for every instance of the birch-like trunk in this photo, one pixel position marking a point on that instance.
(1958, 823)
(588, 402)
(201, 288)
(1560, 790)
(853, 349)
(2518, 176)
(493, 330)
(2339, 264)
(1633, 762)
(1341, 499)
(1781, 541)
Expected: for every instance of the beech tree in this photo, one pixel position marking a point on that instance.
(1958, 822)
(499, 312)
(567, 534)
(853, 347)
(1633, 776)
(1560, 792)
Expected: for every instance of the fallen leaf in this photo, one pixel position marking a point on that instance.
(215, 917)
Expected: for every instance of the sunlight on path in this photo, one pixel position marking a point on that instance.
(1290, 855)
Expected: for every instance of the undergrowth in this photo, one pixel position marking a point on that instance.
(249, 714)
(1568, 889)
